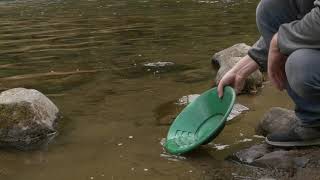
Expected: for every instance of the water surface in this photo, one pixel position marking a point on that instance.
(87, 56)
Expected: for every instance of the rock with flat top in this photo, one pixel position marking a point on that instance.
(250, 155)
(227, 58)
(28, 119)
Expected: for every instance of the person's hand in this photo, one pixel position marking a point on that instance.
(233, 79)
(276, 65)
(236, 77)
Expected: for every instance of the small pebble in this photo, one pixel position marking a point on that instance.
(120, 144)
(132, 169)
(91, 177)
(190, 171)
(130, 137)
(146, 169)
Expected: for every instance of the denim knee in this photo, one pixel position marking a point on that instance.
(270, 14)
(264, 14)
(261, 15)
(302, 70)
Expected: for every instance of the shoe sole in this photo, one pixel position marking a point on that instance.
(294, 143)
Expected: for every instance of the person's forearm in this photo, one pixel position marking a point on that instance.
(245, 67)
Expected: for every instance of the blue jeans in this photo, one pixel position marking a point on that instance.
(302, 67)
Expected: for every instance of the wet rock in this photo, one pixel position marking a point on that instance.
(276, 120)
(27, 119)
(166, 120)
(266, 156)
(275, 159)
(159, 67)
(193, 76)
(263, 155)
(251, 154)
(227, 58)
(166, 113)
(158, 64)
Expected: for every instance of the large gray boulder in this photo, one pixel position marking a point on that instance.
(27, 118)
(227, 58)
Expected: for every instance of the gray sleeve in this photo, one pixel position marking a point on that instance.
(301, 34)
(259, 53)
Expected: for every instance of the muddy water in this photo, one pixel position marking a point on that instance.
(87, 56)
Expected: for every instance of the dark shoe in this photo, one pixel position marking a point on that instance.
(308, 125)
(296, 136)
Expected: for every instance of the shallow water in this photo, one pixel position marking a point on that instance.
(88, 56)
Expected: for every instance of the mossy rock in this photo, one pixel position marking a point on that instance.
(28, 119)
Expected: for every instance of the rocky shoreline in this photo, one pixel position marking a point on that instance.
(294, 162)
(280, 163)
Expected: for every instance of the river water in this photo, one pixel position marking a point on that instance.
(87, 56)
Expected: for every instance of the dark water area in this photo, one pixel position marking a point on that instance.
(88, 56)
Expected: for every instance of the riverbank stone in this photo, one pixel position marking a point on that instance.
(276, 120)
(266, 156)
(227, 58)
(28, 119)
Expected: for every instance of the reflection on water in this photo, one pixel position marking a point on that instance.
(88, 56)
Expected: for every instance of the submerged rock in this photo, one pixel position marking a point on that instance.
(193, 76)
(227, 58)
(27, 119)
(158, 64)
